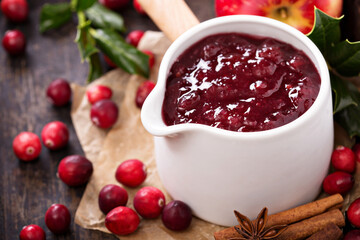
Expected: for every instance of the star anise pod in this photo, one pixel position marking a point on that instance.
(256, 231)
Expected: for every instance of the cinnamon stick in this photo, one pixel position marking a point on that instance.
(304, 211)
(306, 228)
(292, 215)
(330, 232)
(338, 206)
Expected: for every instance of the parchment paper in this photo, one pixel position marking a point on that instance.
(125, 140)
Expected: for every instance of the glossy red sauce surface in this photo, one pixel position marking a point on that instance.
(240, 83)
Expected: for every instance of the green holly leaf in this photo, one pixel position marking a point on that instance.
(349, 117)
(87, 47)
(86, 43)
(81, 5)
(54, 15)
(102, 17)
(95, 68)
(345, 58)
(343, 93)
(326, 32)
(346, 118)
(121, 53)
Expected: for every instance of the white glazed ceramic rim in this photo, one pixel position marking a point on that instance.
(160, 129)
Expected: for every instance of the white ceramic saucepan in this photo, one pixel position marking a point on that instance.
(216, 171)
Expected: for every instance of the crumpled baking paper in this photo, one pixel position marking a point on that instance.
(127, 139)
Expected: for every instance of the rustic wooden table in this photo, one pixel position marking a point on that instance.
(28, 189)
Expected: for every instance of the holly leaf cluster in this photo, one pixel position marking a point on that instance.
(343, 59)
(98, 31)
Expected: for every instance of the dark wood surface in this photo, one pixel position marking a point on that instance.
(28, 189)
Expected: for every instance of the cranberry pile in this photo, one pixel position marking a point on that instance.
(148, 202)
(341, 180)
(76, 170)
(240, 83)
(73, 170)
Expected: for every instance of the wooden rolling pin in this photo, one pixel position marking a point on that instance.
(173, 17)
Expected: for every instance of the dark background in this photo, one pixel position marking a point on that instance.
(28, 189)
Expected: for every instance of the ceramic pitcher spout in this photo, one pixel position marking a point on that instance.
(151, 115)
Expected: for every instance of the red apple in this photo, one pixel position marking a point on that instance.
(297, 13)
(331, 7)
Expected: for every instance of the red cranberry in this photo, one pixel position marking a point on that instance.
(109, 62)
(75, 170)
(356, 150)
(15, 10)
(55, 135)
(59, 92)
(131, 173)
(32, 232)
(114, 4)
(122, 221)
(142, 92)
(14, 42)
(338, 182)
(57, 218)
(134, 37)
(352, 235)
(149, 202)
(27, 146)
(343, 159)
(98, 92)
(151, 57)
(112, 196)
(353, 213)
(138, 7)
(176, 216)
(104, 113)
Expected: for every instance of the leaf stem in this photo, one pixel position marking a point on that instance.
(81, 18)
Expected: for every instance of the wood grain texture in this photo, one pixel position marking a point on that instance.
(28, 189)
(173, 17)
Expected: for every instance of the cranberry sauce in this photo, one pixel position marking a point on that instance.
(240, 83)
